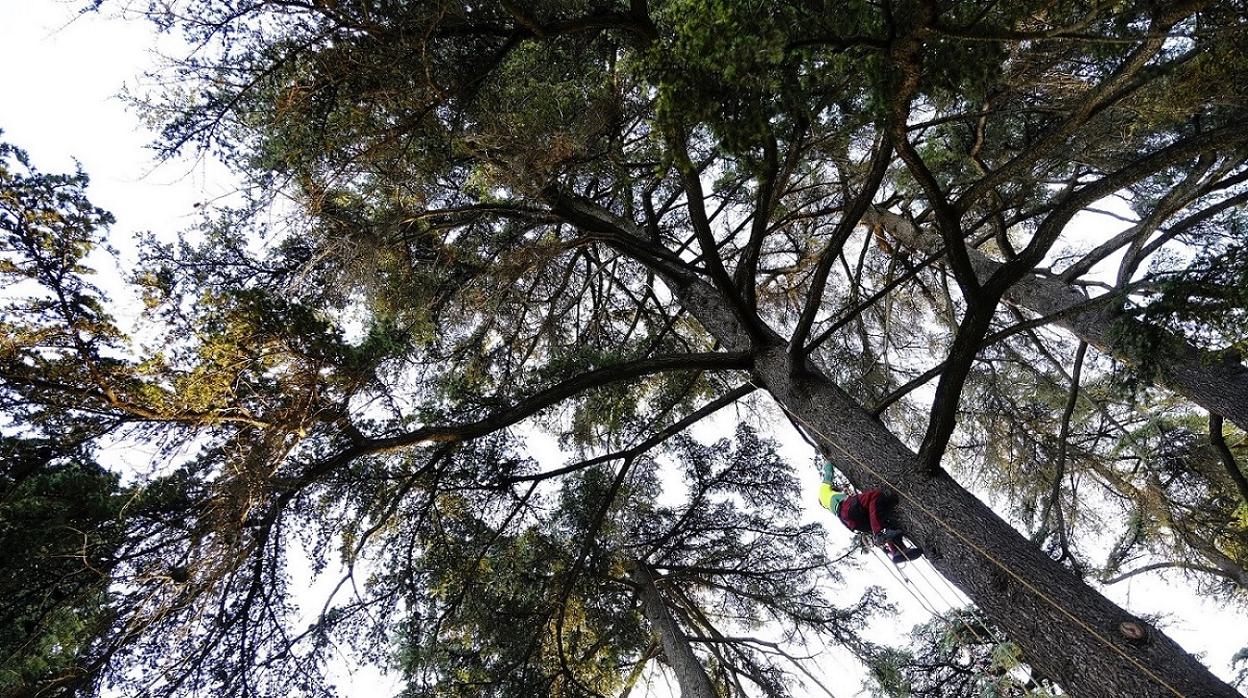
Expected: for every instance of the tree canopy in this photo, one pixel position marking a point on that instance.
(466, 224)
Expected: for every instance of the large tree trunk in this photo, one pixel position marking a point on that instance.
(1096, 660)
(692, 678)
(1216, 383)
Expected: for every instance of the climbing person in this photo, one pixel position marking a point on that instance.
(867, 512)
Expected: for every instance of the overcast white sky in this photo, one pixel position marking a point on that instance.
(59, 79)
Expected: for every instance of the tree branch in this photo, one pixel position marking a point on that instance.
(1108, 247)
(712, 361)
(1054, 503)
(620, 234)
(635, 451)
(695, 201)
(747, 266)
(1228, 459)
(907, 62)
(943, 416)
(999, 336)
(1053, 224)
(849, 220)
(1163, 566)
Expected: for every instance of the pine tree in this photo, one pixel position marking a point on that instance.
(613, 219)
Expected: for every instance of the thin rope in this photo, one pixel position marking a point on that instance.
(952, 605)
(988, 556)
(899, 575)
(906, 584)
(919, 592)
(904, 579)
(956, 593)
(956, 610)
(925, 601)
(895, 570)
(965, 602)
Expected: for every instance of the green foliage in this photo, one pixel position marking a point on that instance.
(727, 65)
(1206, 300)
(547, 608)
(476, 208)
(956, 657)
(59, 530)
(506, 613)
(55, 325)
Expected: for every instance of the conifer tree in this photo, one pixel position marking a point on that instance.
(611, 219)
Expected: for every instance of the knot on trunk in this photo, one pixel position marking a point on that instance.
(1133, 631)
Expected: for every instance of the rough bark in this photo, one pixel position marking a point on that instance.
(1046, 627)
(1217, 383)
(692, 678)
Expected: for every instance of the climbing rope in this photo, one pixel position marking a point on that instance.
(957, 610)
(902, 580)
(988, 556)
(939, 594)
(961, 604)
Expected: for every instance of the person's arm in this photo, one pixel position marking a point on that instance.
(829, 473)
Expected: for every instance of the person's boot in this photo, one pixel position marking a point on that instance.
(893, 544)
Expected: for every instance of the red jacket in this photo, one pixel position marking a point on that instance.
(860, 512)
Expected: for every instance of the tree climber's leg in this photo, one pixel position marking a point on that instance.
(887, 536)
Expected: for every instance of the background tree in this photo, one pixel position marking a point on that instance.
(957, 657)
(58, 525)
(562, 606)
(58, 507)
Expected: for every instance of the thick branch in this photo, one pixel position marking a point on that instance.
(1053, 224)
(1228, 459)
(1214, 382)
(601, 224)
(943, 416)
(1190, 222)
(907, 66)
(532, 405)
(948, 220)
(995, 337)
(1138, 230)
(747, 267)
(695, 199)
